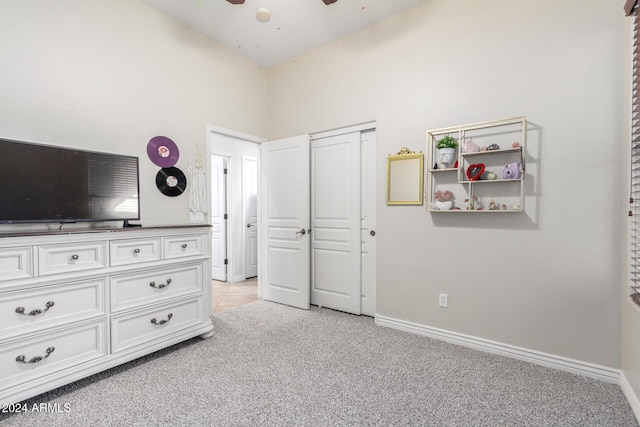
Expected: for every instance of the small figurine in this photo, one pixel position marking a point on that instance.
(491, 175)
(474, 204)
(493, 147)
(503, 207)
(515, 145)
(492, 204)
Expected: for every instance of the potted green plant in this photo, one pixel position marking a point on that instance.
(446, 148)
(447, 142)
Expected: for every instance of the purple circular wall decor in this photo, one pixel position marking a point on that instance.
(163, 151)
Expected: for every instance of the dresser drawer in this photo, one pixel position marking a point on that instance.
(34, 357)
(56, 259)
(16, 263)
(135, 289)
(136, 328)
(29, 310)
(134, 251)
(183, 246)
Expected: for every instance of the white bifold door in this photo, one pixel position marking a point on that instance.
(318, 222)
(335, 222)
(285, 221)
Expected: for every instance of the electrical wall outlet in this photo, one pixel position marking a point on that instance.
(443, 300)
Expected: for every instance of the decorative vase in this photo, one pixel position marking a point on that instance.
(445, 157)
(470, 147)
(444, 206)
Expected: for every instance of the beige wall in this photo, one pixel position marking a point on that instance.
(548, 279)
(110, 75)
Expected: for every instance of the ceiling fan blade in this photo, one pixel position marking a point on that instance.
(328, 2)
(236, 1)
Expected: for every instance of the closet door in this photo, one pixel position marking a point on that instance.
(335, 222)
(285, 221)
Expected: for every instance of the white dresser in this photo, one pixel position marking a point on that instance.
(77, 303)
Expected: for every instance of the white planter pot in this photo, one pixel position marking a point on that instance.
(444, 157)
(444, 206)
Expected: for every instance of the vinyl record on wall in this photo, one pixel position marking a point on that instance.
(171, 181)
(163, 151)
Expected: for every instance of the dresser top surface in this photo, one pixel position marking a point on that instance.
(37, 233)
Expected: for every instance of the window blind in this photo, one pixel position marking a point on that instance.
(631, 9)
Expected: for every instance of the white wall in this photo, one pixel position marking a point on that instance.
(548, 279)
(110, 75)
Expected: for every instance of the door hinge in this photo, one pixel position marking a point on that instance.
(226, 216)
(226, 261)
(225, 171)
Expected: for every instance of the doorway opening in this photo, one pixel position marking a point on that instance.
(235, 268)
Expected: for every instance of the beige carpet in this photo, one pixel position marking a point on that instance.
(272, 365)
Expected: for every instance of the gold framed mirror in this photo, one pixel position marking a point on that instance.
(405, 178)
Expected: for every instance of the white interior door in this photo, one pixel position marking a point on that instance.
(335, 222)
(250, 199)
(285, 221)
(218, 221)
(368, 223)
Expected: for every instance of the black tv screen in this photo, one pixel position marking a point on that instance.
(41, 183)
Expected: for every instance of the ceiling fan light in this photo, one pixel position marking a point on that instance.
(328, 2)
(236, 1)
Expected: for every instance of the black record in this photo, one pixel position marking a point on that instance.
(171, 181)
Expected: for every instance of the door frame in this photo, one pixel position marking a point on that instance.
(212, 131)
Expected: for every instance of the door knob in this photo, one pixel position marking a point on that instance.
(373, 233)
(302, 232)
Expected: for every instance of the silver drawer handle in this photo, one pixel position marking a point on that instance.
(75, 257)
(184, 246)
(160, 286)
(161, 322)
(37, 311)
(23, 359)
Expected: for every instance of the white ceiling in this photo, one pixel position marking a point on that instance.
(295, 27)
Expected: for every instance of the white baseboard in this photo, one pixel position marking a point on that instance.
(631, 396)
(544, 359)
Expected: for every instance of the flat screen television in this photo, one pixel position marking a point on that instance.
(42, 183)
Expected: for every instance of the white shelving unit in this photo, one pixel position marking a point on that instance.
(481, 194)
